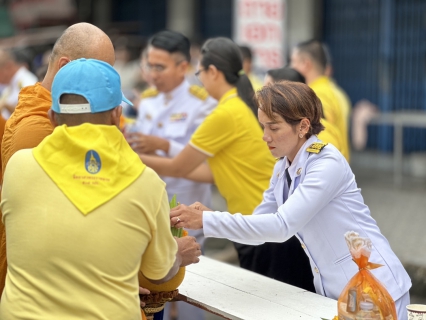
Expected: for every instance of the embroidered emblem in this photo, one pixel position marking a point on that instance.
(198, 92)
(149, 93)
(178, 117)
(92, 162)
(316, 147)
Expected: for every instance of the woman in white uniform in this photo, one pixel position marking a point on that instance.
(317, 198)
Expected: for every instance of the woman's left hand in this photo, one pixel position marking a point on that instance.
(183, 216)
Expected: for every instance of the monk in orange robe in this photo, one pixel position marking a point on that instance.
(29, 123)
(2, 125)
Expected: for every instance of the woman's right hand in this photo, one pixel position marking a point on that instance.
(183, 216)
(199, 206)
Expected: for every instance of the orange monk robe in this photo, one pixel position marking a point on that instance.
(26, 128)
(2, 124)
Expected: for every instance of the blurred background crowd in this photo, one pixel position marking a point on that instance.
(374, 50)
(377, 48)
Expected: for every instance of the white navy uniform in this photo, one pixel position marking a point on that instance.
(175, 116)
(323, 203)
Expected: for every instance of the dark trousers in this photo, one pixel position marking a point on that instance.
(285, 262)
(159, 315)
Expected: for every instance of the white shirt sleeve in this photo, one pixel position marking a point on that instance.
(322, 183)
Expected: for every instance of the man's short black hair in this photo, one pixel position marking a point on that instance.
(246, 52)
(286, 73)
(315, 50)
(172, 42)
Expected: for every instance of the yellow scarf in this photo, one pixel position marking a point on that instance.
(91, 164)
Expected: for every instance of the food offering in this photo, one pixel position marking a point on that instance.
(165, 292)
(364, 297)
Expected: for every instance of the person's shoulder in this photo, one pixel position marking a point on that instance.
(149, 93)
(20, 159)
(198, 92)
(151, 178)
(322, 151)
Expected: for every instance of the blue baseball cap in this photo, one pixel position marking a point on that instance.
(93, 79)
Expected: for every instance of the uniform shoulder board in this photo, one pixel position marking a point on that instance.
(316, 147)
(199, 92)
(149, 93)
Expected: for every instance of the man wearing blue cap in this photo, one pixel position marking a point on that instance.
(93, 215)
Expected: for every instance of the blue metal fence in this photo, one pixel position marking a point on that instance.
(379, 51)
(216, 18)
(150, 14)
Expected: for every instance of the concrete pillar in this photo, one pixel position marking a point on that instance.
(304, 20)
(102, 14)
(180, 16)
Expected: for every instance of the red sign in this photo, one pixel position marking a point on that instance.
(259, 24)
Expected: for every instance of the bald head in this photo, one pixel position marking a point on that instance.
(84, 40)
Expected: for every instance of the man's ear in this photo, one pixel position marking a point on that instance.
(63, 61)
(183, 67)
(116, 115)
(52, 118)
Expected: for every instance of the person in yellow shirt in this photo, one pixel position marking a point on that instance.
(344, 100)
(248, 68)
(230, 138)
(309, 58)
(94, 215)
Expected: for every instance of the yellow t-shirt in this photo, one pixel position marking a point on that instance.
(63, 264)
(333, 111)
(238, 157)
(255, 82)
(345, 103)
(330, 135)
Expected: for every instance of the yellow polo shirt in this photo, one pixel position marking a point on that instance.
(330, 135)
(63, 264)
(239, 159)
(333, 110)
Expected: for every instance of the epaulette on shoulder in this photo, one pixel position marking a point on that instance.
(199, 92)
(316, 147)
(149, 93)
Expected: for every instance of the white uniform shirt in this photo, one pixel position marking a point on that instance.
(22, 78)
(175, 116)
(324, 202)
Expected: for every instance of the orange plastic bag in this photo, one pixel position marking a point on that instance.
(364, 297)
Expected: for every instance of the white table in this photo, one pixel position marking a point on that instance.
(235, 293)
(399, 120)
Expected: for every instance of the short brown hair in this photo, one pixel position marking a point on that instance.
(293, 101)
